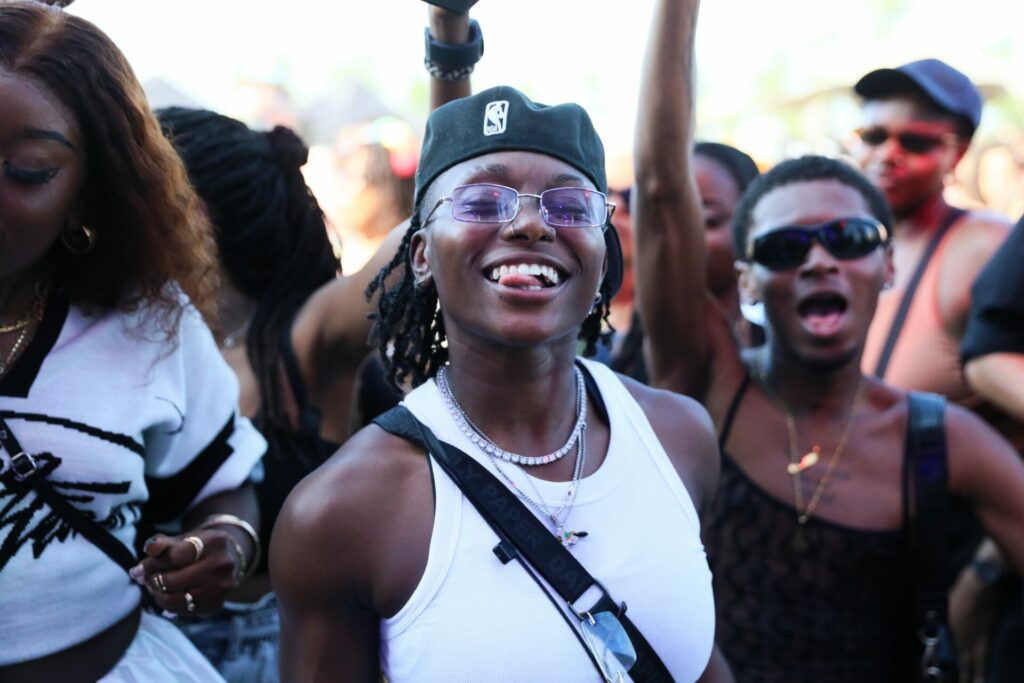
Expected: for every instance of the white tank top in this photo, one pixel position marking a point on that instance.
(472, 618)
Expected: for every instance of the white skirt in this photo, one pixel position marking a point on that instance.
(160, 653)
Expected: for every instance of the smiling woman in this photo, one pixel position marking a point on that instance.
(117, 413)
(509, 261)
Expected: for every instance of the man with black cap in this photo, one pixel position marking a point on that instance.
(380, 560)
(918, 122)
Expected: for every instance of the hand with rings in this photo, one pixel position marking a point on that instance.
(191, 573)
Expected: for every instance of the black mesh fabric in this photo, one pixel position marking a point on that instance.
(837, 612)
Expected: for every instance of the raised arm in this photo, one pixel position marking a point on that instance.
(450, 28)
(667, 214)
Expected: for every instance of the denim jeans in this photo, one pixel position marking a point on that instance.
(241, 640)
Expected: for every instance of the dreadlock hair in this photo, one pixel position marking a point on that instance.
(270, 230)
(408, 327)
(804, 169)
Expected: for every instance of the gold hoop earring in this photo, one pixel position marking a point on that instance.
(79, 242)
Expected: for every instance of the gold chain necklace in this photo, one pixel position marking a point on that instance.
(17, 324)
(35, 314)
(798, 464)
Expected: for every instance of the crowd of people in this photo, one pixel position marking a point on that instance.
(223, 459)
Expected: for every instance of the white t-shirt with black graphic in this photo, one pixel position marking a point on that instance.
(121, 421)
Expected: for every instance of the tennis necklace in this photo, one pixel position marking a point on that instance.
(559, 518)
(797, 463)
(476, 435)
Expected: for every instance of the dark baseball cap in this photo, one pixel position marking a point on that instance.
(504, 119)
(949, 89)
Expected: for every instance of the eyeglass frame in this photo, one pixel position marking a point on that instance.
(609, 206)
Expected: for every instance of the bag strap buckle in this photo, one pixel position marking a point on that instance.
(23, 466)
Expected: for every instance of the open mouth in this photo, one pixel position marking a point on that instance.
(822, 313)
(528, 276)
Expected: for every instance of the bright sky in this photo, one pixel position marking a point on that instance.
(749, 53)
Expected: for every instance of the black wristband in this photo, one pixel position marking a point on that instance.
(455, 55)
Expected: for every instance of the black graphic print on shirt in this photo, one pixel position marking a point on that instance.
(20, 506)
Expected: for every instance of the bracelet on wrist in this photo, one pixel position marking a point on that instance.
(248, 565)
(453, 61)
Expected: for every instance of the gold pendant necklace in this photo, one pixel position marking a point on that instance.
(797, 464)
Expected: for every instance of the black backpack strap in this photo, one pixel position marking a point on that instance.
(24, 471)
(927, 462)
(531, 539)
(908, 296)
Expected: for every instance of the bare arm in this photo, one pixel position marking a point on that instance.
(969, 252)
(667, 215)
(328, 631)
(999, 378)
(349, 548)
(334, 323)
(984, 468)
(453, 28)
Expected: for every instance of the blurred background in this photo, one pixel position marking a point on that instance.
(774, 79)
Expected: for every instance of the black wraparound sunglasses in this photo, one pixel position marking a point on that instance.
(914, 143)
(845, 238)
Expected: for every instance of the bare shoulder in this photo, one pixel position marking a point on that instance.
(973, 445)
(977, 236)
(353, 501)
(687, 434)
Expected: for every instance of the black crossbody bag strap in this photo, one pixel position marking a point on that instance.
(908, 296)
(927, 461)
(514, 523)
(24, 471)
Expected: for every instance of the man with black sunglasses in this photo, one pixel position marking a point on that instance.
(807, 536)
(918, 122)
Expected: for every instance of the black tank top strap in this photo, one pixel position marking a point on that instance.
(593, 393)
(730, 414)
(309, 416)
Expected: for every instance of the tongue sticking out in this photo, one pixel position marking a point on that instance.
(521, 281)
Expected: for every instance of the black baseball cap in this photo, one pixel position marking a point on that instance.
(504, 119)
(949, 89)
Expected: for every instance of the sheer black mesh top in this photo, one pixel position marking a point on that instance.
(838, 611)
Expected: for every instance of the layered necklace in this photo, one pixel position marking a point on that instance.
(24, 325)
(798, 463)
(559, 517)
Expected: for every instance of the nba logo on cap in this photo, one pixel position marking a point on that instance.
(495, 117)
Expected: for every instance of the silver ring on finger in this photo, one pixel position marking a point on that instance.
(158, 579)
(190, 603)
(198, 544)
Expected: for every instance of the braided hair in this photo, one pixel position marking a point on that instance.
(408, 327)
(270, 230)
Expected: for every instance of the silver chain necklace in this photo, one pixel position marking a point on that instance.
(476, 435)
(566, 537)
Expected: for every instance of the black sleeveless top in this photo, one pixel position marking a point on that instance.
(840, 611)
(304, 449)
